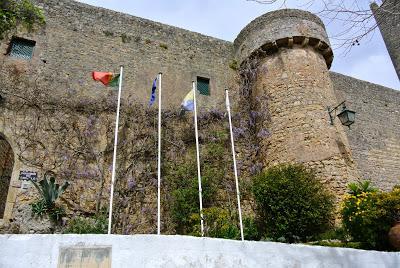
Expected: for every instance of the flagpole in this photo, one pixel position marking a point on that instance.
(228, 107)
(159, 158)
(198, 159)
(115, 152)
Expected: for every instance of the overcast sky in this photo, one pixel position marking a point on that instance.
(224, 19)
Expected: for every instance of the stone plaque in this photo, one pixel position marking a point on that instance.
(88, 257)
(27, 175)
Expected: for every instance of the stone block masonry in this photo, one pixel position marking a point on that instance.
(79, 38)
(54, 94)
(375, 135)
(292, 89)
(387, 17)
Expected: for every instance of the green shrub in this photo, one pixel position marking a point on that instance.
(88, 225)
(182, 179)
(250, 229)
(23, 12)
(337, 244)
(164, 46)
(234, 65)
(292, 204)
(338, 233)
(218, 222)
(186, 200)
(369, 214)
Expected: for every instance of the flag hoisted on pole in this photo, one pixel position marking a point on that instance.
(115, 152)
(159, 158)
(228, 107)
(198, 158)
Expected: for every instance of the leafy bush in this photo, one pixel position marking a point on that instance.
(183, 179)
(13, 12)
(88, 225)
(337, 244)
(219, 222)
(292, 204)
(368, 215)
(49, 192)
(186, 196)
(250, 229)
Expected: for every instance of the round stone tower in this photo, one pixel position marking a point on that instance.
(291, 88)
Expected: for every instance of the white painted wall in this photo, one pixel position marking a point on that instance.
(41, 251)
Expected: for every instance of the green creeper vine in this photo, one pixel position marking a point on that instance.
(14, 13)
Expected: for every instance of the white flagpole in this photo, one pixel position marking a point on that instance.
(228, 107)
(159, 158)
(115, 152)
(198, 159)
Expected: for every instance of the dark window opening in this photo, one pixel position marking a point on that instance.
(203, 86)
(21, 48)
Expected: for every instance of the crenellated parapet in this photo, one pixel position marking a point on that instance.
(283, 29)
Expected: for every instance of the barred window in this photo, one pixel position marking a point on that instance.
(21, 48)
(203, 86)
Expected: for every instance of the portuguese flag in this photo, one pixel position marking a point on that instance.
(107, 78)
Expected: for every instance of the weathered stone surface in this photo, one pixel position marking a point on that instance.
(375, 135)
(294, 86)
(293, 89)
(30, 224)
(275, 27)
(388, 19)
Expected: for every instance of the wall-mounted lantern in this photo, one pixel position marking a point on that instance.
(346, 116)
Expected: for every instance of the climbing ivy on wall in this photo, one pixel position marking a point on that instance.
(14, 13)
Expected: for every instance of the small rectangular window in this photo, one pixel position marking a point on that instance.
(21, 48)
(203, 86)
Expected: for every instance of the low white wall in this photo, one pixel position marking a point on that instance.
(184, 251)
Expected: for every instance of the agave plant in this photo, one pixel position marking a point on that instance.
(360, 187)
(50, 191)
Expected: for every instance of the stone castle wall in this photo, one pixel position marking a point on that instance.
(388, 19)
(294, 79)
(375, 135)
(79, 39)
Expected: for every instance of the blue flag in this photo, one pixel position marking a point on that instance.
(153, 92)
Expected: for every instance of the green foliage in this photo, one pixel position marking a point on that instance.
(88, 225)
(337, 244)
(338, 233)
(186, 194)
(221, 135)
(213, 152)
(183, 181)
(292, 204)
(233, 65)
(40, 209)
(125, 38)
(108, 33)
(218, 222)
(49, 192)
(164, 46)
(22, 12)
(369, 215)
(250, 229)
(356, 188)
